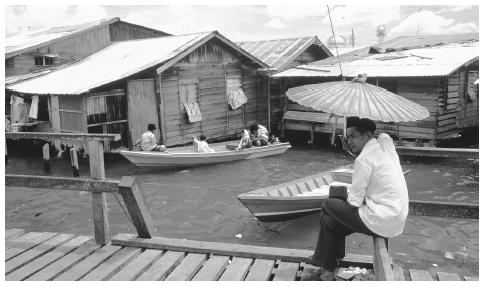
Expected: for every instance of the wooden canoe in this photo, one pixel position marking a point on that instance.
(295, 198)
(186, 157)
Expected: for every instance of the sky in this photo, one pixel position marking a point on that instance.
(258, 20)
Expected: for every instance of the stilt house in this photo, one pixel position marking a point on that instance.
(185, 84)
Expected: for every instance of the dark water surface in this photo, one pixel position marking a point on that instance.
(200, 203)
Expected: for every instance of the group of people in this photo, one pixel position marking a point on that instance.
(377, 204)
(257, 135)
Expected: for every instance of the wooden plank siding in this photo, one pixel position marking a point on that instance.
(210, 66)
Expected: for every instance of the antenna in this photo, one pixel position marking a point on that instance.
(419, 18)
(333, 35)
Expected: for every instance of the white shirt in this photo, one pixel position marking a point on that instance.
(379, 188)
(262, 133)
(148, 141)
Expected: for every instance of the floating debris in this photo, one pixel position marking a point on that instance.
(448, 255)
(239, 235)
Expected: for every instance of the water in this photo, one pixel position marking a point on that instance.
(200, 203)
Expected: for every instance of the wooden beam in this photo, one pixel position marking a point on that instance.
(64, 183)
(227, 249)
(134, 200)
(63, 136)
(438, 152)
(382, 260)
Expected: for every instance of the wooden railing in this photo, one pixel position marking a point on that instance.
(97, 185)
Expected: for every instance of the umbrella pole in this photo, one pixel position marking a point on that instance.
(345, 126)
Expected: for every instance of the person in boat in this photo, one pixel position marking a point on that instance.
(148, 140)
(377, 204)
(245, 141)
(259, 135)
(200, 145)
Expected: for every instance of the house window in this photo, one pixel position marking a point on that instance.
(44, 60)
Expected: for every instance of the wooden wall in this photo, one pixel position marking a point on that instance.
(208, 68)
(122, 31)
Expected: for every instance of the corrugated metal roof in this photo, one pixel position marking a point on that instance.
(421, 62)
(34, 38)
(412, 42)
(117, 61)
(279, 53)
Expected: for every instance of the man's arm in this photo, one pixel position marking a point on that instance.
(360, 182)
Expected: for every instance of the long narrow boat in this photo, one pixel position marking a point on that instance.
(186, 157)
(295, 198)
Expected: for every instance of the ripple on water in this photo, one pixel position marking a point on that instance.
(200, 203)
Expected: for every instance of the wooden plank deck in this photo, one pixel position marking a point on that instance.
(43, 256)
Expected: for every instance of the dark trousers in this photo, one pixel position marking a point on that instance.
(337, 220)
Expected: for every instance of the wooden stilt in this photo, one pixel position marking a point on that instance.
(99, 205)
(133, 198)
(74, 162)
(46, 157)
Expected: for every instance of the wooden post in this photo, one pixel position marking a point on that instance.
(99, 205)
(382, 260)
(268, 102)
(6, 153)
(46, 157)
(74, 162)
(134, 200)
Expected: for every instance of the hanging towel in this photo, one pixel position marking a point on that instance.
(34, 107)
(16, 109)
(237, 98)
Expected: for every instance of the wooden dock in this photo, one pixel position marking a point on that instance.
(438, 152)
(42, 256)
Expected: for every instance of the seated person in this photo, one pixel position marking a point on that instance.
(258, 135)
(200, 145)
(148, 140)
(244, 140)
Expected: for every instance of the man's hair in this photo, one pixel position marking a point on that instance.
(151, 127)
(202, 137)
(361, 125)
(253, 128)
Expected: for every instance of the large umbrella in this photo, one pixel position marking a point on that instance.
(357, 98)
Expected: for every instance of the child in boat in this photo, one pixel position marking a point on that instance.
(245, 141)
(200, 145)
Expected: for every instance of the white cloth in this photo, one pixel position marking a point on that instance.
(148, 141)
(202, 146)
(16, 109)
(34, 107)
(379, 188)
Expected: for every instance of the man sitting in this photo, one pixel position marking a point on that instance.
(200, 145)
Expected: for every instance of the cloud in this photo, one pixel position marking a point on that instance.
(430, 23)
(171, 19)
(275, 23)
(22, 18)
(295, 12)
(351, 16)
(456, 8)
